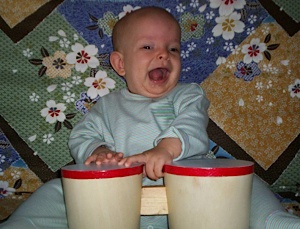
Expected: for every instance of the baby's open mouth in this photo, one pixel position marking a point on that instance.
(158, 74)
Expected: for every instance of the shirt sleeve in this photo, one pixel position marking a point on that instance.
(190, 104)
(88, 135)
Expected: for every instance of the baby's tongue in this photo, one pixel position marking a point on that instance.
(157, 74)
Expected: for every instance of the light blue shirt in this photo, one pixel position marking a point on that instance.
(131, 124)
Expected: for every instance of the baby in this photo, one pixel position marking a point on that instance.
(159, 114)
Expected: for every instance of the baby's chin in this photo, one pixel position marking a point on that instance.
(158, 91)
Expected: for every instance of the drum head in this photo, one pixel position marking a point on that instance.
(210, 167)
(105, 170)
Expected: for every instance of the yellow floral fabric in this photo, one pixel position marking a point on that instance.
(260, 114)
(14, 12)
(23, 182)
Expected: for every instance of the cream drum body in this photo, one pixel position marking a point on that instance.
(209, 193)
(103, 196)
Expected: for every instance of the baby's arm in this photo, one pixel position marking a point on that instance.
(190, 123)
(164, 152)
(91, 138)
(103, 155)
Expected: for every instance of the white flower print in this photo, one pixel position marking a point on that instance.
(69, 98)
(186, 69)
(194, 3)
(15, 174)
(274, 70)
(227, 7)
(253, 51)
(259, 98)
(259, 85)
(252, 18)
(34, 97)
(76, 80)
(48, 138)
(227, 26)
(64, 43)
(184, 54)
(228, 46)
(269, 85)
(180, 8)
(5, 190)
(210, 40)
(267, 67)
(75, 37)
(127, 9)
(191, 46)
(83, 57)
(250, 30)
(230, 64)
(209, 15)
(236, 50)
(27, 52)
(2, 158)
(66, 86)
(54, 112)
(266, 30)
(99, 85)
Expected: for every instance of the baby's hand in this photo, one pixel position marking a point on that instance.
(155, 158)
(103, 155)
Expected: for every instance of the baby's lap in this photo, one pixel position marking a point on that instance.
(49, 191)
(54, 185)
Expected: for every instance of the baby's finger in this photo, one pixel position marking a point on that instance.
(118, 156)
(158, 170)
(101, 158)
(150, 171)
(90, 159)
(140, 158)
(109, 155)
(122, 161)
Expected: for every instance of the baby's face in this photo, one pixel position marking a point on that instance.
(151, 55)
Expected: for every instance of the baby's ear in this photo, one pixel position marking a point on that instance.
(117, 62)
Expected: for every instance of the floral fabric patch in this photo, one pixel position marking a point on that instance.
(255, 93)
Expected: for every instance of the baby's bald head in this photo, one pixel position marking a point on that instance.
(127, 24)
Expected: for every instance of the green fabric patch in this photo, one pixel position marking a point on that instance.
(290, 7)
(289, 180)
(28, 83)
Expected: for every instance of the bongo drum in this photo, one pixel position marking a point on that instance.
(209, 193)
(103, 196)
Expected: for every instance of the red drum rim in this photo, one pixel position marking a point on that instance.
(93, 171)
(210, 167)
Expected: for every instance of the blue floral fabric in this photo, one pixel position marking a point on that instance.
(200, 48)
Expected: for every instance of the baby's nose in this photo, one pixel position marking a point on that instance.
(163, 55)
